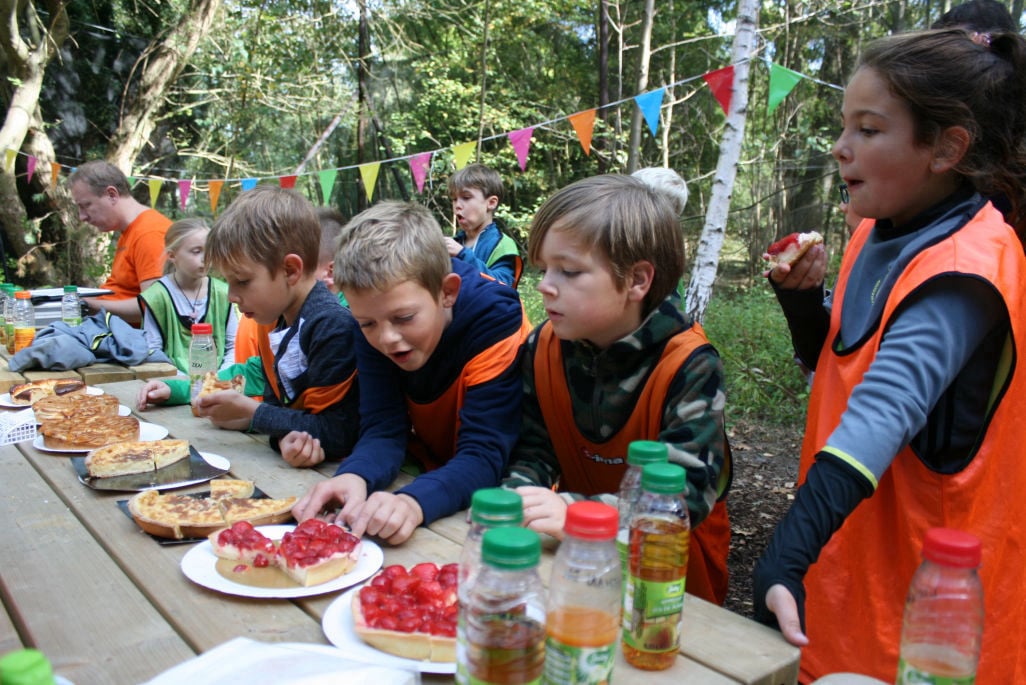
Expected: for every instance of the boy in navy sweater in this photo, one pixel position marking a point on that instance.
(439, 375)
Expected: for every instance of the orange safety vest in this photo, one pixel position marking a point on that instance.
(591, 468)
(436, 424)
(856, 590)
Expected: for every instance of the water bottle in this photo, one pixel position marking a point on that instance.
(24, 320)
(653, 602)
(639, 453)
(3, 315)
(9, 290)
(584, 599)
(71, 306)
(506, 611)
(489, 508)
(202, 355)
(943, 624)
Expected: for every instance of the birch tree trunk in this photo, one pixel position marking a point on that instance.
(160, 64)
(707, 257)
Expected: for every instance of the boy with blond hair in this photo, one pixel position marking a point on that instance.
(266, 246)
(617, 361)
(439, 373)
(475, 191)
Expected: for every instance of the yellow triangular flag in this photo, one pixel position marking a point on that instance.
(369, 174)
(9, 160)
(154, 191)
(461, 153)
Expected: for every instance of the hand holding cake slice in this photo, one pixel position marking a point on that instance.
(790, 248)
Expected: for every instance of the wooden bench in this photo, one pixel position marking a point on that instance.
(92, 374)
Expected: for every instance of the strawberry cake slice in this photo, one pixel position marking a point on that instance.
(410, 613)
(316, 552)
(242, 542)
(790, 248)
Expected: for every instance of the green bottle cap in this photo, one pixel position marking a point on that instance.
(71, 288)
(511, 548)
(26, 667)
(9, 287)
(641, 452)
(496, 507)
(664, 479)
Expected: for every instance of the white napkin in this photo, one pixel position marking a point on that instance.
(248, 662)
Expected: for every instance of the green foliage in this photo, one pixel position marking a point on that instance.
(763, 381)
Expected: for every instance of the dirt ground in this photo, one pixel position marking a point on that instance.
(765, 470)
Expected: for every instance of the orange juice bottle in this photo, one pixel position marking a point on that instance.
(653, 600)
(583, 612)
(24, 320)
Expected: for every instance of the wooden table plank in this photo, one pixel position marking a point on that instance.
(94, 374)
(60, 589)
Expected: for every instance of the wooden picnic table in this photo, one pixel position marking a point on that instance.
(94, 374)
(108, 604)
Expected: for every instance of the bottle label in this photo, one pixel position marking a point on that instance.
(909, 674)
(72, 320)
(652, 614)
(569, 665)
(23, 337)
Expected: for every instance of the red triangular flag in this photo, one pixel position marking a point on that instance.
(721, 83)
(287, 181)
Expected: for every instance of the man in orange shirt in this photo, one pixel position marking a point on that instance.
(103, 197)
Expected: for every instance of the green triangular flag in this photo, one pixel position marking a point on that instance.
(782, 81)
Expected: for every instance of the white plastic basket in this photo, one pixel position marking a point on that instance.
(17, 426)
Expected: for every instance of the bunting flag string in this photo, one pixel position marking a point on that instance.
(782, 82)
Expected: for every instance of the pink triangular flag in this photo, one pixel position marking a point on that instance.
(31, 167)
(521, 142)
(287, 181)
(419, 164)
(369, 174)
(721, 83)
(584, 125)
(184, 187)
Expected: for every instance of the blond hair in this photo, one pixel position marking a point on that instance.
(263, 225)
(622, 218)
(391, 243)
(176, 235)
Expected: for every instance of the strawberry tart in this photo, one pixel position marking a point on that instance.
(790, 248)
(410, 613)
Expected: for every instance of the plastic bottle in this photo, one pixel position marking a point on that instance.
(9, 289)
(584, 599)
(202, 355)
(658, 562)
(3, 314)
(71, 306)
(506, 611)
(639, 453)
(489, 508)
(24, 320)
(26, 667)
(943, 625)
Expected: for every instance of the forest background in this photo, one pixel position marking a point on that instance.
(190, 97)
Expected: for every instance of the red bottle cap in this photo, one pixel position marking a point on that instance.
(591, 521)
(202, 329)
(952, 548)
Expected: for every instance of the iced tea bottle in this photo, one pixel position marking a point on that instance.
(657, 560)
(506, 611)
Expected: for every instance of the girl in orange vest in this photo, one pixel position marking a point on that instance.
(617, 361)
(918, 396)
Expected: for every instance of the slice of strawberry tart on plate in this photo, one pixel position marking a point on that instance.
(410, 613)
(242, 542)
(316, 552)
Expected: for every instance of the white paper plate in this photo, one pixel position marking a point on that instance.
(5, 399)
(338, 626)
(199, 566)
(147, 431)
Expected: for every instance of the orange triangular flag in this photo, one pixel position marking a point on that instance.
(55, 171)
(369, 174)
(584, 125)
(215, 195)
